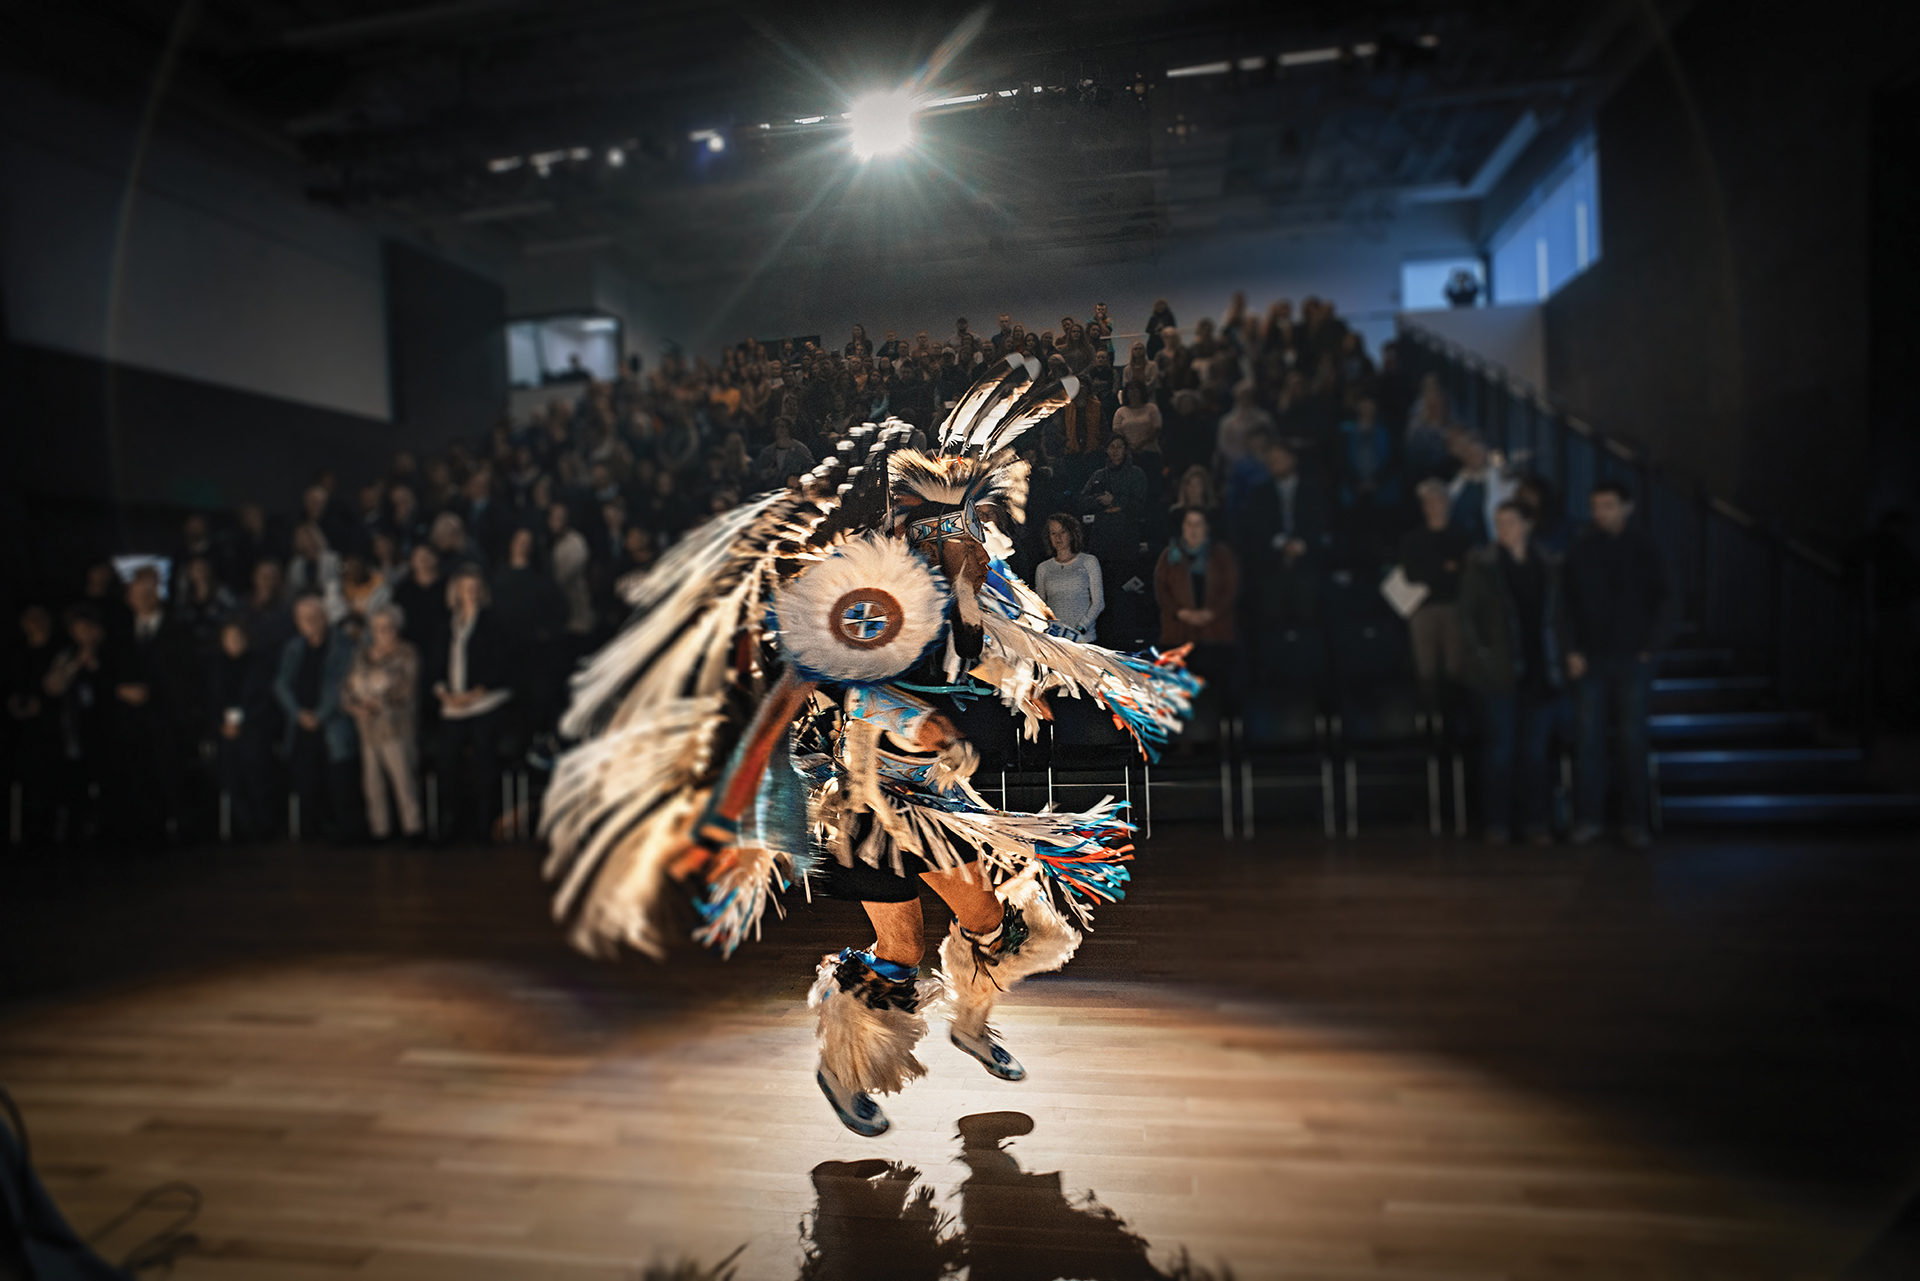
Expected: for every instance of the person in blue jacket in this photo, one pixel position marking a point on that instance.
(319, 741)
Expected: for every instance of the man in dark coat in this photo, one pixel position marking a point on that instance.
(240, 721)
(1617, 600)
(156, 696)
(320, 744)
(1285, 529)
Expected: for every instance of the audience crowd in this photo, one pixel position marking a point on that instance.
(381, 653)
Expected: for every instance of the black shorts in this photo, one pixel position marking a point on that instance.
(882, 884)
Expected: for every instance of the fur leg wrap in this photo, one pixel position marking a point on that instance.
(868, 1026)
(976, 978)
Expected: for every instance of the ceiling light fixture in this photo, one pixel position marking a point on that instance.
(882, 123)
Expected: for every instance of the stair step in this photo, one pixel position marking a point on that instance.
(1738, 725)
(1696, 658)
(1710, 684)
(1808, 807)
(1820, 766)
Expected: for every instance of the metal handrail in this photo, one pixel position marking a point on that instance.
(1626, 451)
(1752, 584)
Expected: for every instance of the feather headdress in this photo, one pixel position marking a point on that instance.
(1002, 405)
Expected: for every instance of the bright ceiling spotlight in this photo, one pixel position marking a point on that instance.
(881, 123)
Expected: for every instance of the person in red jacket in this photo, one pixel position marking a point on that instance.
(1197, 581)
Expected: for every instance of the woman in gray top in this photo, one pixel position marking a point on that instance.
(1069, 580)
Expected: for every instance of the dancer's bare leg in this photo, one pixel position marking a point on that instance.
(966, 891)
(900, 931)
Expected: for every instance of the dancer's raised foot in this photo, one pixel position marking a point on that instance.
(993, 1056)
(855, 1108)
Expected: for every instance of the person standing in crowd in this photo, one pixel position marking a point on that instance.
(1370, 496)
(470, 682)
(1196, 489)
(319, 742)
(240, 711)
(153, 716)
(1242, 423)
(1284, 531)
(381, 693)
(529, 609)
(107, 594)
(966, 345)
(1430, 425)
(1512, 618)
(1537, 494)
(315, 568)
(422, 599)
(1434, 554)
(32, 726)
(1369, 480)
(1069, 579)
(1138, 421)
(1115, 496)
(571, 558)
(1160, 323)
(200, 602)
(79, 679)
(269, 621)
(453, 546)
(405, 522)
(361, 590)
(1140, 368)
(1197, 582)
(1617, 602)
(1477, 489)
(483, 516)
(1002, 341)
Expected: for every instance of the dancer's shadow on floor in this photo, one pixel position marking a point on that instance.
(874, 1219)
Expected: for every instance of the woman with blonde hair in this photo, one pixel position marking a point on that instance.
(380, 695)
(471, 680)
(1196, 489)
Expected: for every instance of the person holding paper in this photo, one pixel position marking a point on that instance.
(1433, 555)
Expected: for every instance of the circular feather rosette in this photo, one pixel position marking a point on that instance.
(865, 613)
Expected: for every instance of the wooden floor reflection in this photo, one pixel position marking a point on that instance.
(1392, 1061)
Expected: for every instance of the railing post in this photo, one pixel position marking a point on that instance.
(1776, 606)
(1869, 653)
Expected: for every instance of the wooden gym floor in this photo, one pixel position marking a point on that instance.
(1388, 1058)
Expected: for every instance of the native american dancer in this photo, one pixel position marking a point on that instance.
(773, 712)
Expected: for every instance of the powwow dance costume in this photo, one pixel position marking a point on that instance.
(772, 711)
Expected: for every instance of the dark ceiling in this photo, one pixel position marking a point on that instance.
(532, 127)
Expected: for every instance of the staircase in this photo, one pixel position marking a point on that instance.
(1723, 751)
(1760, 716)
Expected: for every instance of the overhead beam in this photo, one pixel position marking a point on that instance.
(1512, 144)
(329, 35)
